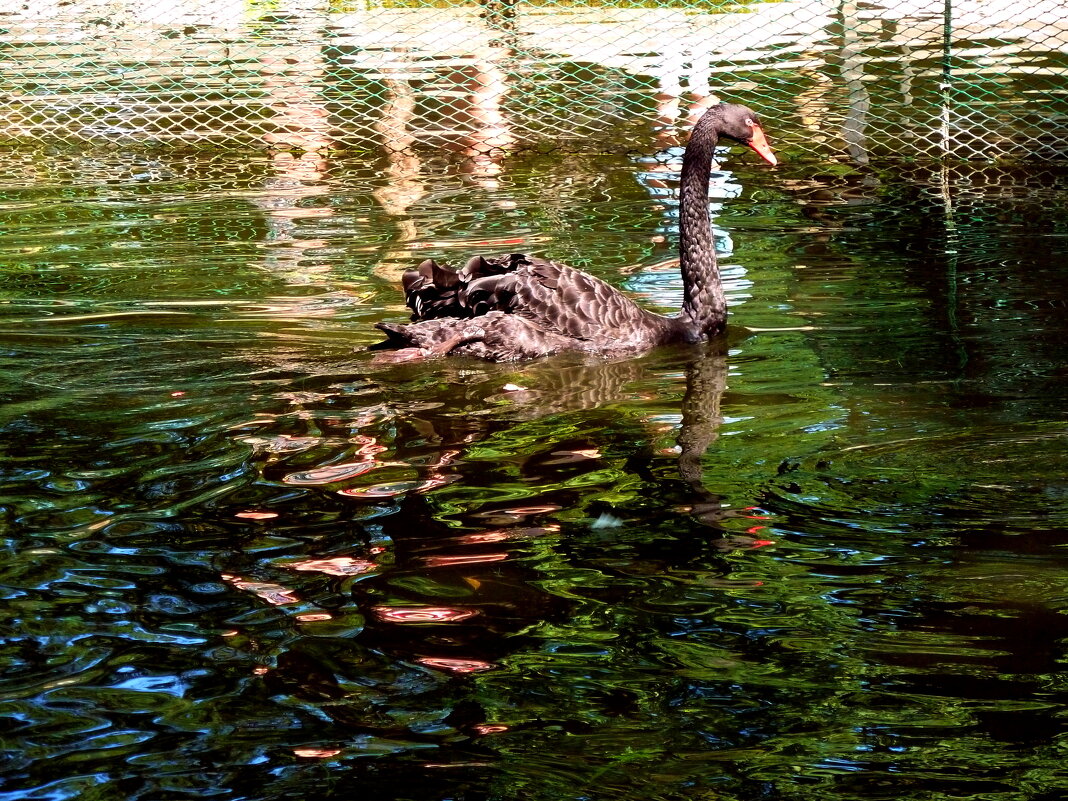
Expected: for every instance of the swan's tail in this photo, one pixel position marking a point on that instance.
(397, 336)
(428, 334)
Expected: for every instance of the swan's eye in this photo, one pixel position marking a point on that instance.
(750, 123)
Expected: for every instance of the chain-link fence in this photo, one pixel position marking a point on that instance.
(917, 78)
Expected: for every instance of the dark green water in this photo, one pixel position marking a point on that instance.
(826, 560)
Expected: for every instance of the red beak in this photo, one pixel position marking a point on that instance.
(759, 143)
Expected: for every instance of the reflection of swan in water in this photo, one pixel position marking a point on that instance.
(706, 381)
(430, 446)
(555, 389)
(519, 307)
(439, 442)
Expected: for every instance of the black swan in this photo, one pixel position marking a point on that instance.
(516, 306)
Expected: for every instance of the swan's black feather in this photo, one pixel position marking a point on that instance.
(561, 308)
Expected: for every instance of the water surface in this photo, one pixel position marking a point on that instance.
(821, 559)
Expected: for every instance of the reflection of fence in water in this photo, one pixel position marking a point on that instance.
(838, 77)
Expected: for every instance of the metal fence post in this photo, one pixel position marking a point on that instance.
(945, 85)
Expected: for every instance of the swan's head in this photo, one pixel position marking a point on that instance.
(743, 126)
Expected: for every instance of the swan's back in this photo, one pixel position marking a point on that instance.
(554, 297)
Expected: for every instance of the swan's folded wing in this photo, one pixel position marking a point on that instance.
(575, 304)
(558, 299)
(433, 291)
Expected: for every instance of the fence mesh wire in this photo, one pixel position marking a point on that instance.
(967, 79)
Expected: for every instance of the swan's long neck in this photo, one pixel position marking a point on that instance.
(704, 306)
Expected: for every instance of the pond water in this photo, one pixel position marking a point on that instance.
(823, 559)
